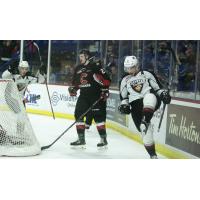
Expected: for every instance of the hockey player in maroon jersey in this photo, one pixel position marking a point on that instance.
(141, 95)
(93, 83)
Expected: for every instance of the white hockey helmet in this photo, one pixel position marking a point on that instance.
(24, 64)
(130, 62)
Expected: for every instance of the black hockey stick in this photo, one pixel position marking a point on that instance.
(41, 64)
(176, 61)
(85, 113)
(161, 117)
(49, 99)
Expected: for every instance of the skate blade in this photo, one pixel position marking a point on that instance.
(102, 148)
(153, 157)
(79, 147)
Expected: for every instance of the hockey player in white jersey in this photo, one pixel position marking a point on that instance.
(23, 77)
(141, 95)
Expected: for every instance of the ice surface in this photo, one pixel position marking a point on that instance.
(47, 130)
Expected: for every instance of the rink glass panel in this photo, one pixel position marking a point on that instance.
(182, 79)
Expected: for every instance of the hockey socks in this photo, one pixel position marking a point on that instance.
(102, 133)
(80, 127)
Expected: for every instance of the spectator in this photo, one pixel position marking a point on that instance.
(163, 59)
(187, 70)
(114, 75)
(7, 49)
(148, 58)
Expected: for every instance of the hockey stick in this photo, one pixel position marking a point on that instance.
(41, 63)
(177, 62)
(85, 113)
(161, 117)
(49, 99)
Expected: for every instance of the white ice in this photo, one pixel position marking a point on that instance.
(47, 130)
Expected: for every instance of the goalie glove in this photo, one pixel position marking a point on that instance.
(72, 91)
(165, 97)
(104, 94)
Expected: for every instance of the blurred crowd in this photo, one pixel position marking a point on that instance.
(176, 63)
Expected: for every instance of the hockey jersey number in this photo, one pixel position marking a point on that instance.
(83, 81)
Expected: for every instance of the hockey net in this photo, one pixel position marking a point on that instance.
(17, 137)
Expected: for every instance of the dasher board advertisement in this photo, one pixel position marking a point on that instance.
(183, 128)
(112, 109)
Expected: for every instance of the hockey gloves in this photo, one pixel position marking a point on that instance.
(72, 91)
(165, 97)
(124, 109)
(104, 94)
(43, 69)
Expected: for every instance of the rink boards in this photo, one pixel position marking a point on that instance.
(179, 135)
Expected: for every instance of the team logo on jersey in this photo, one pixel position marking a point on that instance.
(21, 86)
(137, 85)
(137, 88)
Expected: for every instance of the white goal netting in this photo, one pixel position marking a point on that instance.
(17, 137)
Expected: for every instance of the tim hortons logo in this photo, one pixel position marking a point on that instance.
(184, 129)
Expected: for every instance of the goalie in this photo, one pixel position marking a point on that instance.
(141, 95)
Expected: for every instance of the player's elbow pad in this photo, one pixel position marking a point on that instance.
(101, 80)
(6, 75)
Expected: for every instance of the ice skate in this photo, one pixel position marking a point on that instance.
(78, 144)
(154, 157)
(102, 144)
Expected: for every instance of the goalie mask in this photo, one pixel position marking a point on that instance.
(131, 64)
